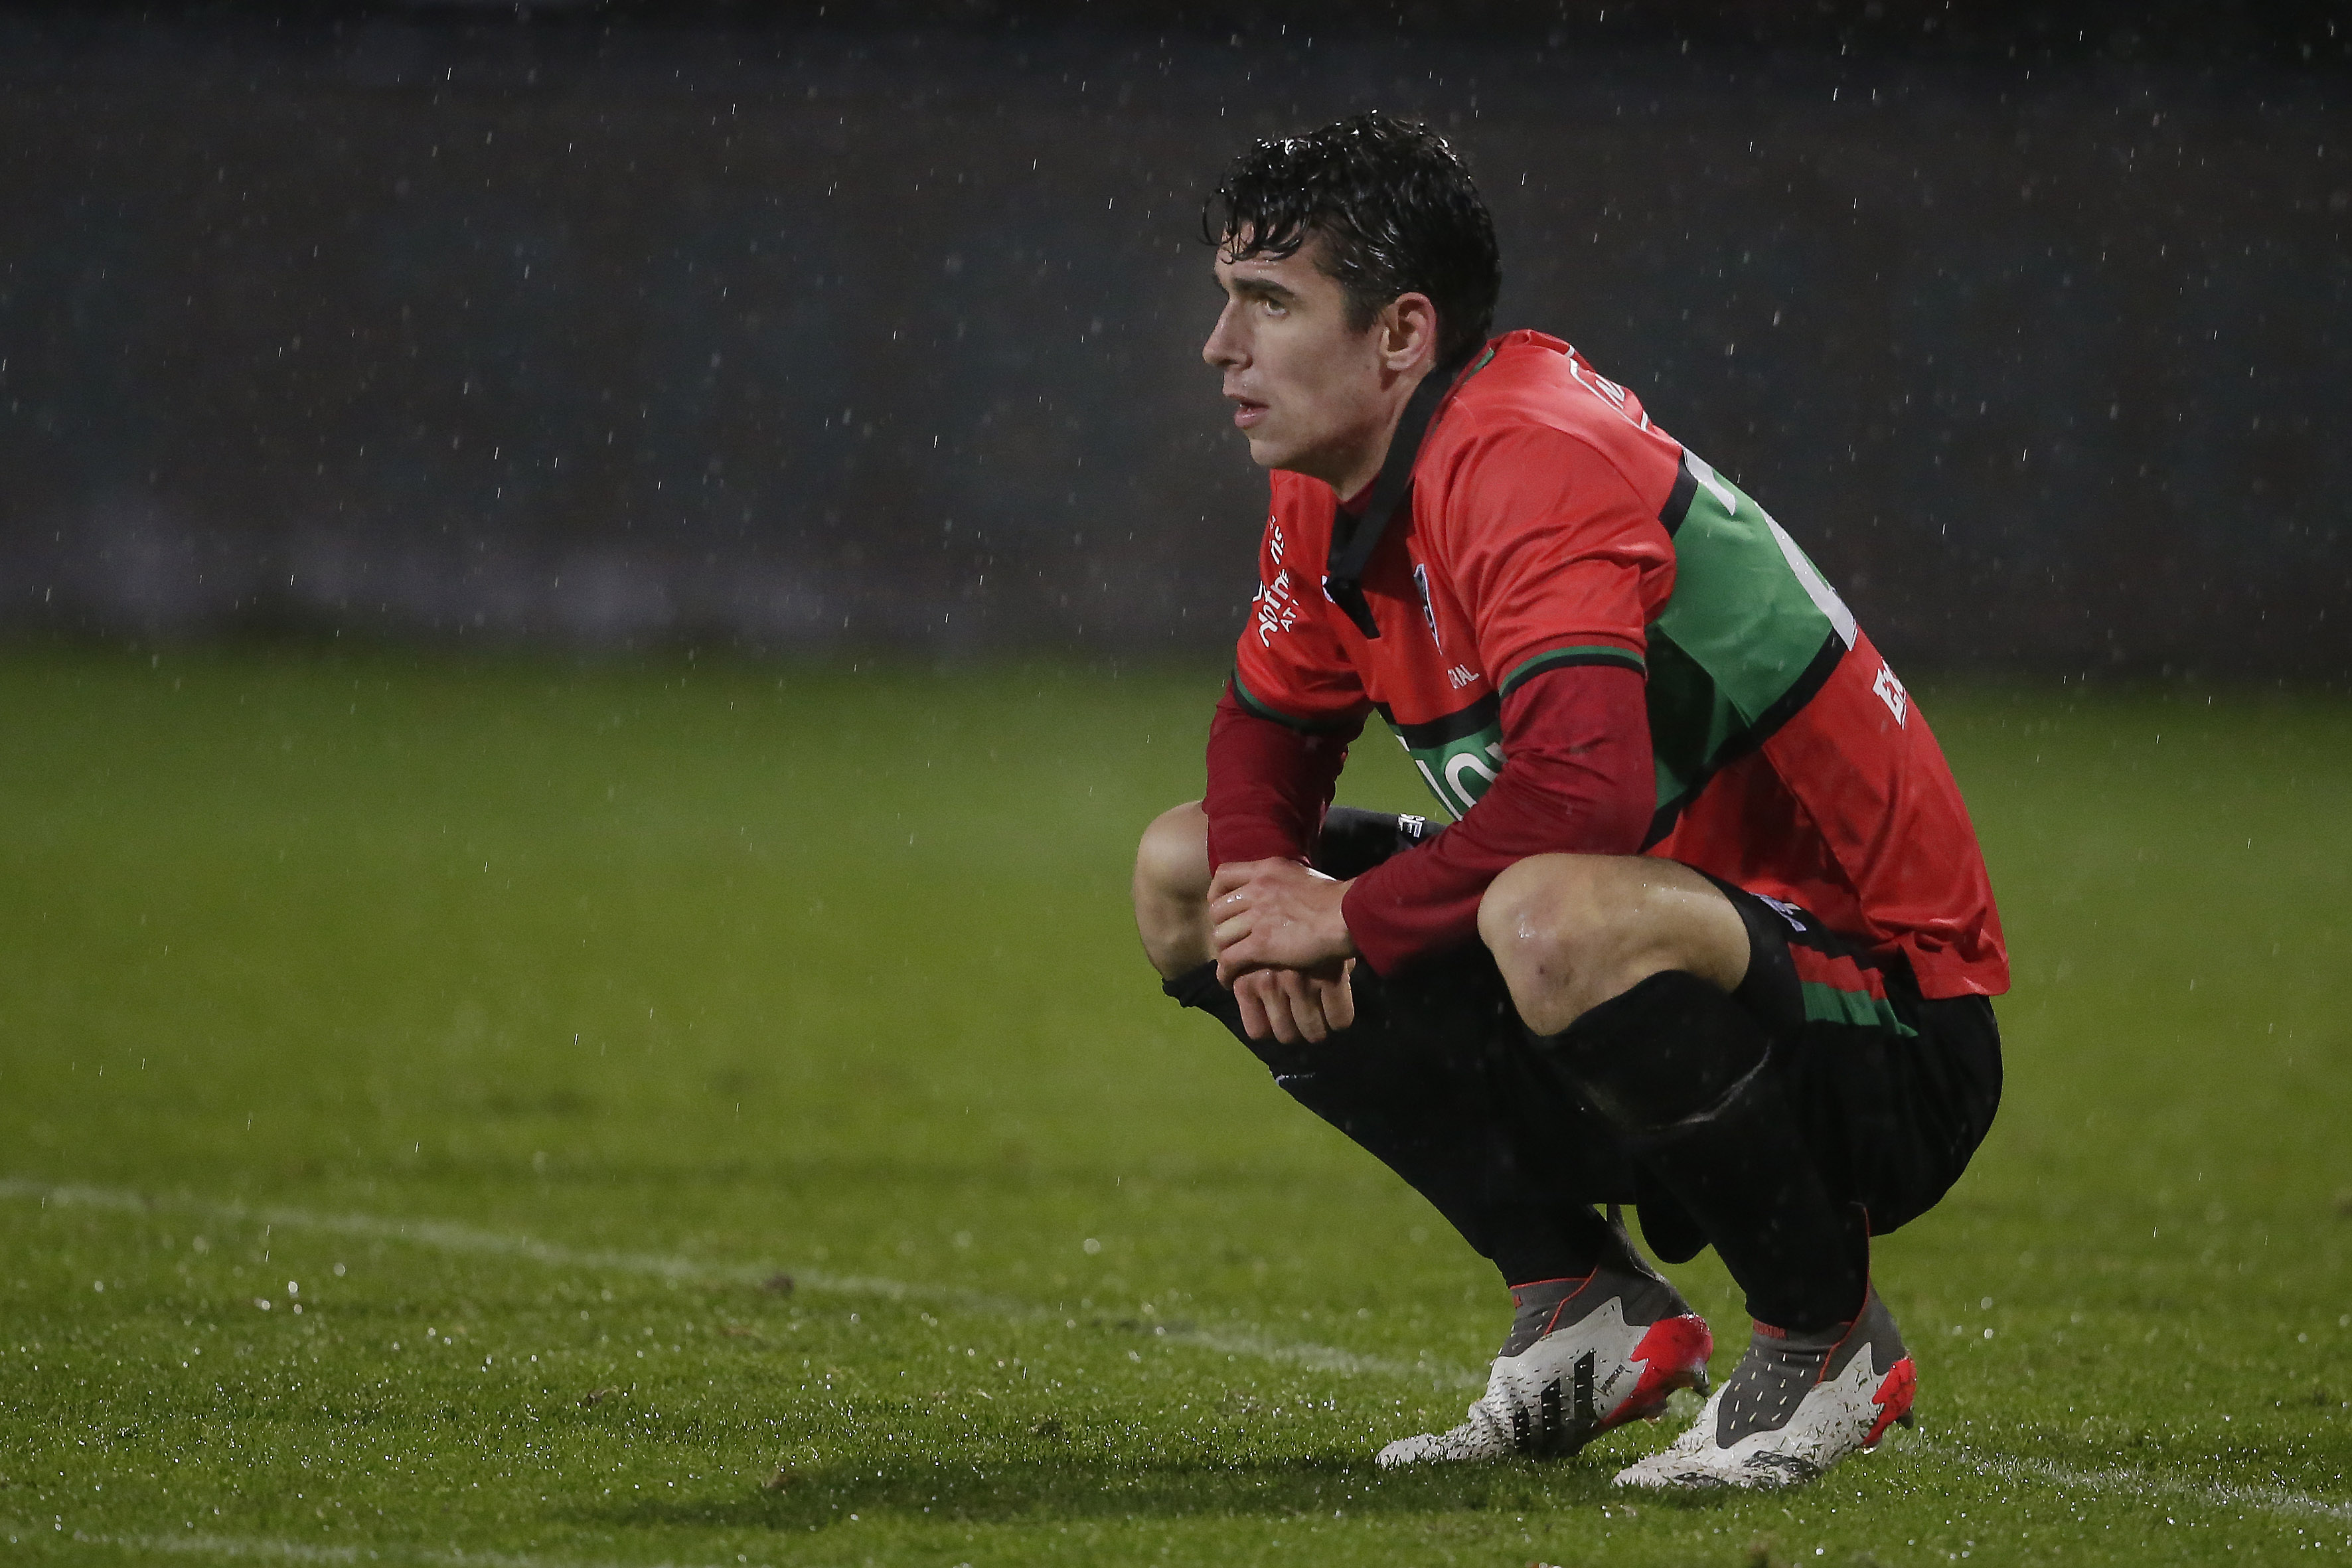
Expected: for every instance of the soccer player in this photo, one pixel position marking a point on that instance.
(1710, 933)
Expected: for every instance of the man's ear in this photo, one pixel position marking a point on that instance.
(1409, 332)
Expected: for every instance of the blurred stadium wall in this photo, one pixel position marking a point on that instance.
(629, 328)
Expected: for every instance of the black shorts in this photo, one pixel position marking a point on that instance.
(1899, 1088)
(1896, 1089)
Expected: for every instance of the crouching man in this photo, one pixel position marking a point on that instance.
(1709, 934)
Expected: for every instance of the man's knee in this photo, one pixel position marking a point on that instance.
(1172, 888)
(1570, 931)
(1172, 861)
(1544, 921)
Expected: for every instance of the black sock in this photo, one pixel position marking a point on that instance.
(1433, 1123)
(1690, 1076)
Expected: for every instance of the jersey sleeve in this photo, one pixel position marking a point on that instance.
(1288, 667)
(1577, 779)
(1558, 559)
(1269, 785)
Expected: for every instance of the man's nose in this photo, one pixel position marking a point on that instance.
(1221, 350)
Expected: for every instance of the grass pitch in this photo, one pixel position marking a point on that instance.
(536, 1114)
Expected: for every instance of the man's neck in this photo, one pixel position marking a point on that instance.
(1358, 476)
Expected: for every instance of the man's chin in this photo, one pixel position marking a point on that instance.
(1270, 454)
(1268, 450)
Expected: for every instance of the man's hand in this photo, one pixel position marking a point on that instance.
(1276, 914)
(1292, 1005)
(1283, 947)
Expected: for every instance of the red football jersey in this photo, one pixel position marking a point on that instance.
(1552, 523)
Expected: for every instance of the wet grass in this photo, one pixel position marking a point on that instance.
(719, 1116)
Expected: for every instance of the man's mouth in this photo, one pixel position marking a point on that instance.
(1247, 412)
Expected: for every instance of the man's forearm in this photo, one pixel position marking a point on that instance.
(1269, 785)
(1577, 780)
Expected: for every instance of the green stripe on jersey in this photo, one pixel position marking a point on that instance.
(1826, 1004)
(1555, 659)
(1458, 755)
(1751, 632)
(1309, 726)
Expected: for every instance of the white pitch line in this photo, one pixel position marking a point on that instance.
(219, 1546)
(2131, 1481)
(445, 1235)
(448, 1236)
(2114, 1480)
(264, 1549)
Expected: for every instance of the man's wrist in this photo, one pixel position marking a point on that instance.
(1347, 939)
(1369, 945)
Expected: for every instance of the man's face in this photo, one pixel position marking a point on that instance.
(1308, 389)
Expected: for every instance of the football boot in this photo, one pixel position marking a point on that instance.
(1582, 1356)
(1796, 1404)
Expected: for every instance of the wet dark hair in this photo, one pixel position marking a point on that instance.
(1395, 206)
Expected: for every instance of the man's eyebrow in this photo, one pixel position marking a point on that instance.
(1261, 289)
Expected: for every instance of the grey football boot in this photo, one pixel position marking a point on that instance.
(1582, 1356)
(1796, 1404)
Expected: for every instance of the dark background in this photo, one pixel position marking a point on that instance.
(774, 331)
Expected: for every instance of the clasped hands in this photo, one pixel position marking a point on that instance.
(1283, 947)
